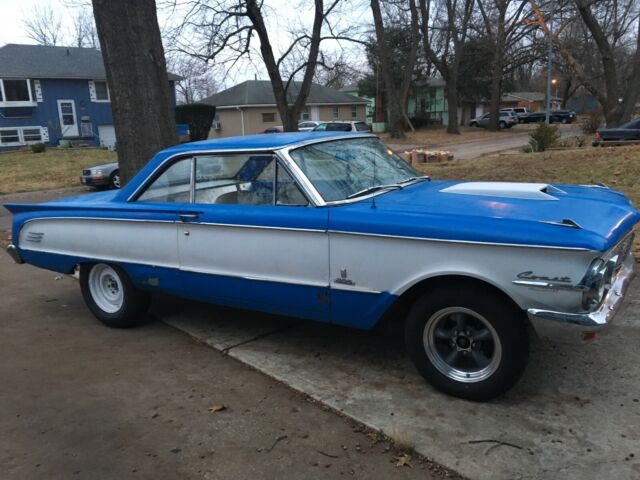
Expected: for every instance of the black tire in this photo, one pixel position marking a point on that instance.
(564, 120)
(507, 358)
(114, 179)
(502, 125)
(133, 307)
(474, 124)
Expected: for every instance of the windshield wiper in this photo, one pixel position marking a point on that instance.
(413, 179)
(375, 188)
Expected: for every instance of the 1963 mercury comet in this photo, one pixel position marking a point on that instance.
(337, 228)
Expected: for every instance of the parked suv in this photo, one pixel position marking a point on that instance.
(520, 112)
(342, 126)
(507, 120)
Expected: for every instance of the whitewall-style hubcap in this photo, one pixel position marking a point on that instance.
(106, 288)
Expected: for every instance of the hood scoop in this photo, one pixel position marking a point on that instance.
(526, 191)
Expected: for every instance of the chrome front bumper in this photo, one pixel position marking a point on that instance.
(13, 253)
(583, 326)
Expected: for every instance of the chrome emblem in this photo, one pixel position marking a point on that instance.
(344, 278)
(529, 275)
(34, 237)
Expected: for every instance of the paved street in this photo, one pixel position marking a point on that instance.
(467, 150)
(79, 400)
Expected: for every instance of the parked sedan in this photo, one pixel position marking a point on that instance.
(335, 227)
(556, 116)
(105, 175)
(343, 126)
(629, 132)
(307, 125)
(507, 120)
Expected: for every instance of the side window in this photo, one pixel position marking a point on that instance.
(321, 127)
(244, 180)
(174, 185)
(287, 191)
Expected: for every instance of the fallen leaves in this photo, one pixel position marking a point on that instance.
(217, 408)
(403, 460)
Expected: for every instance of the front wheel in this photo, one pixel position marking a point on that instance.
(112, 297)
(474, 124)
(467, 342)
(502, 125)
(114, 179)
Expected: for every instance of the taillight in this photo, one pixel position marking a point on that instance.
(597, 135)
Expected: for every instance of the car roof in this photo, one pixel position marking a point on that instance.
(257, 142)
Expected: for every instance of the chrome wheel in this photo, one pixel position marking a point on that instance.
(106, 288)
(462, 344)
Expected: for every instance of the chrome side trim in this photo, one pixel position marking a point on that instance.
(263, 227)
(564, 325)
(353, 288)
(550, 285)
(471, 242)
(15, 254)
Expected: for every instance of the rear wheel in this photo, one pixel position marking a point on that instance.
(502, 125)
(564, 120)
(474, 124)
(467, 342)
(111, 296)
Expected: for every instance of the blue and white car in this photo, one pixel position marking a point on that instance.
(335, 227)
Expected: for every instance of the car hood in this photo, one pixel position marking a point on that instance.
(568, 216)
(109, 165)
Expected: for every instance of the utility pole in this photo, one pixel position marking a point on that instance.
(549, 67)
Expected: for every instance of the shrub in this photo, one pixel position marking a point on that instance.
(592, 122)
(198, 116)
(38, 147)
(544, 137)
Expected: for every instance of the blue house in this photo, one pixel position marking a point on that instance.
(52, 93)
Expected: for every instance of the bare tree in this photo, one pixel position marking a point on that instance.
(396, 95)
(84, 32)
(222, 31)
(505, 26)
(43, 26)
(444, 34)
(134, 60)
(614, 27)
(198, 78)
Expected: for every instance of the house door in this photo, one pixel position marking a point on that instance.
(68, 119)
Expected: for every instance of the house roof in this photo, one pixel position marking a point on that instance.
(38, 61)
(526, 97)
(260, 93)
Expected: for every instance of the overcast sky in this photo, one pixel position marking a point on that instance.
(283, 14)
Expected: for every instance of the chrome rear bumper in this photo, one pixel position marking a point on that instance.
(582, 326)
(13, 253)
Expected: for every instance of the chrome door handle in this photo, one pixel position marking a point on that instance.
(185, 217)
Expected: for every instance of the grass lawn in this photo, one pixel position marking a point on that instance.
(616, 167)
(25, 171)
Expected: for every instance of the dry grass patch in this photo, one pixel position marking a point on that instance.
(618, 168)
(24, 171)
(438, 136)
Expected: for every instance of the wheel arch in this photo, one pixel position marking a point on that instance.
(397, 312)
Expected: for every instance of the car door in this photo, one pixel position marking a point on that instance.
(484, 121)
(252, 240)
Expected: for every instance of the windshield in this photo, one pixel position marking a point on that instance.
(342, 168)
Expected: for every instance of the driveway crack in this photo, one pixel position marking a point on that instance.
(226, 350)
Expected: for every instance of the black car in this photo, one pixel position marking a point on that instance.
(556, 116)
(628, 132)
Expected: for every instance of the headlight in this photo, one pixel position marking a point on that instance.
(597, 282)
(96, 172)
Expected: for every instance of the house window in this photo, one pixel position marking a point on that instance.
(354, 112)
(102, 91)
(335, 113)
(15, 92)
(305, 114)
(269, 117)
(20, 136)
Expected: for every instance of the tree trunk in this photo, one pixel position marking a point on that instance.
(141, 99)
(395, 120)
(452, 103)
(497, 69)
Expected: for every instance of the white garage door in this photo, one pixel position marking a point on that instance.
(107, 136)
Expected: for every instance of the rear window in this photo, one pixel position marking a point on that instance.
(339, 127)
(361, 127)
